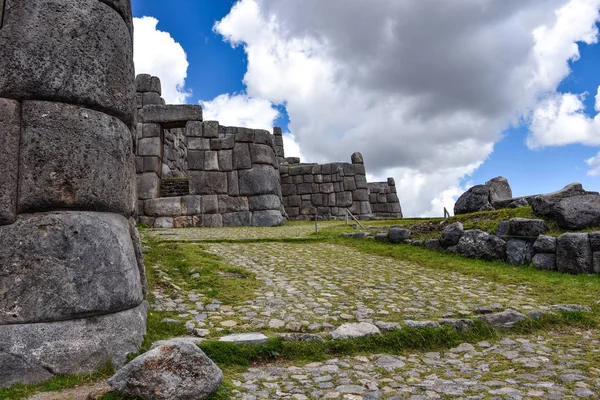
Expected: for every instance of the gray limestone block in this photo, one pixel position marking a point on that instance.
(211, 161)
(292, 212)
(229, 204)
(241, 156)
(288, 189)
(304, 188)
(210, 129)
(197, 143)
(139, 164)
(308, 178)
(151, 146)
(355, 208)
(264, 202)
(155, 85)
(139, 256)
(228, 131)
(191, 205)
(208, 182)
(138, 101)
(316, 169)
(74, 158)
(317, 199)
(123, 7)
(331, 199)
(528, 229)
(210, 204)
(237, 219)
(361, 195)
(212, 220)
(519, 252)
(10, 133)
(357, 158)
(326, 188)
(349, 170)
(143, 83)
(32, 353)
(244, 135)
(163, 222)
(298, 179)
(318, 178)
(178, 114)
(151, 130)
(195, 160)
(365, 208)
(545, 261)
(392, 198)
(574, 253)
(163, 207)
(262, 154)
(293, 171)
(294, 201)
(578, 212)
(361, 182)
(152, 164)
(277, 132)
(349, 183)
(148, 185)
(545, 244)
(64, 265)
(151, 99)
(596, 261)
(93, 68)
(233, 187)
(194, 129)
(344, 199)
(259, 180)
(226, 143)
(226, 160)
(326, 169)
(267, 218)
(262, 136)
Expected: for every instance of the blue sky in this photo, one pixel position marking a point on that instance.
(431, 174)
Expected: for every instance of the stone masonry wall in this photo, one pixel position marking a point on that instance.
(384, 200)
(232, 172)
(325, 189)
(174, 153)
(73, 284)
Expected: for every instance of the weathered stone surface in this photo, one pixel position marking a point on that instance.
(136, 240)
(355, 330)
(212, 220)
(594, 240)
(519, 252)
(208, 182)
(241, 156)
(262, 154)
(10, 133)
(499, 190)
(481, 245)
(264, 202)
(245, 338)
(502, 229)
(301, 337)
(72, 157)
(544, 261)
(267, 218)
(475, 199)
(433, 244)
(226, 160)
(545, 244)
(452, 234)
(63, 265)
(93, 68)
(519, 203)
(210, 129)
(573, 253)
(578, 212)
(503, 320)
(357, 158)
(381, 237)
(544, 204)
(460, 325)
(176, 370)
(32, 353)
(237, 219)
(163, 222)
(228, 204)
(191, 205)
(163, 207)
(148, 185)
(171, 115)
(527, 229)
(421, 324)
(143, 83)
(259, 180)
(398, 235)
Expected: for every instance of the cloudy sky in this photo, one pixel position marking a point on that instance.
(439, 94)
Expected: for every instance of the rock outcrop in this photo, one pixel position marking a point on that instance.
(483, 197)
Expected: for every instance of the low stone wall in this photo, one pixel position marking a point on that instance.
(325, 189)
(384, 199)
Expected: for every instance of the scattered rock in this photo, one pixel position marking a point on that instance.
(544, 261)
(389, 363)
(503, 320)
(578, 212)
(452, 234)
(381, 237)
(397, 235)
(301, 337)
(481, 245)
(483, 310)
(543, 205)
(499, 189)
(571, 307)
(473, 200)
(421, 324)
(433, 244)
(460, 325)
(245, 338)
(387, 326)
(463, 348)
(355, 330)
(175, 370)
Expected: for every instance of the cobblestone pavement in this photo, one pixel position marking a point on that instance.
(318, 286)
(561, 366)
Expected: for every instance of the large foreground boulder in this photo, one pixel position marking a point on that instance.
(452, 234)
(175, 370)
(574, 253)
(578, 212)
(484, 197)
(481, 245)
(544, 204)
(499, 190)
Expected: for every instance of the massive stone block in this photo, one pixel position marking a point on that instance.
(148, 185)
(267, 218)
(574, 253)
(163, 207)
(10, 132)
(259, 180)
(32, 353)
(208, 182)
(63, 265)
(74, 158)
(94, 67)
(171, 115)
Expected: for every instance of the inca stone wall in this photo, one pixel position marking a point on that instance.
(325, 189)
(232, 173)
(73, 284)
(384, 199)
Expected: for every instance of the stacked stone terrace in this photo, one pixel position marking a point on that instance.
(232, 172)
(72, 281)
(384, 199)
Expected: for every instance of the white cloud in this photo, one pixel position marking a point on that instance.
(292, 149)
(560, 120)
(594, 164)
(422, 88)
(158, 54)
(240, 110)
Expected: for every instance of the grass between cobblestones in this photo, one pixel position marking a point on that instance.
(170, 265)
